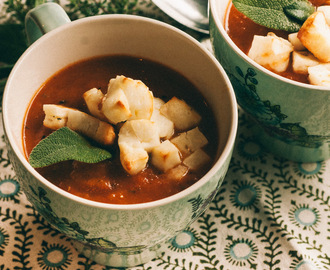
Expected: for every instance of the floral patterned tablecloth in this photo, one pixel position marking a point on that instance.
(270, 213)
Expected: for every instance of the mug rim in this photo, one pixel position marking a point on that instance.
(220, 161)
(220, 27)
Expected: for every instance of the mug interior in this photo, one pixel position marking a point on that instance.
(118, 35)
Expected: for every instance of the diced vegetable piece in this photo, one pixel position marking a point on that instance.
(189, 141)
(165, 156)
(183, 116)
(315, 36)
(271, 52)
(197, 160)
(165, 126)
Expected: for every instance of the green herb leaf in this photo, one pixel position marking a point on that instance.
(12, 42)
(65, 144)
(288, 15)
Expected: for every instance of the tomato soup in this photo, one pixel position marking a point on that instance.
(241, 30)
(107, 181)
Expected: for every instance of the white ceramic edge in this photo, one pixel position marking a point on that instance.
(219, 24)
(223, 156)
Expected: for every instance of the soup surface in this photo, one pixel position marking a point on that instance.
(107, 181)
(241, 30)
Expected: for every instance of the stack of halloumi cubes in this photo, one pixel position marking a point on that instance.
(150, 130)
(309, 49)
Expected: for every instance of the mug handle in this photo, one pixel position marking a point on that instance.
(44, 18)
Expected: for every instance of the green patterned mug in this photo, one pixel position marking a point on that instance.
(293, 119)
(115, 235)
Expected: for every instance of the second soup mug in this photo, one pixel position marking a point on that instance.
(292, 118)
(110, 234)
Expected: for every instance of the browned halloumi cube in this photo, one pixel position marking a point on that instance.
(302, 60)
(190, 141)
(133, 159)
(271, 52)
(165, 126)
(180, 113)
(93, 99)
(165, 156)
(320, 75)
(314, 34)
(197, 160)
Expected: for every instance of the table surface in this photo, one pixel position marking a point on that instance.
(269, 213)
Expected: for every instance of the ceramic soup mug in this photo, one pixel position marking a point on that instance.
(110, 234)
(293, 118)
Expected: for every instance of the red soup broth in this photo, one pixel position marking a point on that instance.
(107, 181)
(241, 30)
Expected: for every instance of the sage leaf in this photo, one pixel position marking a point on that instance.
(288, 15)
(65, 144)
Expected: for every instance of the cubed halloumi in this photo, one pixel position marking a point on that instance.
(178, 172)
(180, 113)
(326, 11)
(190, 141)
(139, 133)
(93, 99)
(320, 75)
(165, 156)
(295, 41)
(314, 34)
(92, 127)
(139, 99)
(56, 116)
(165, 126)
(302, 60)
(133, 159)
(271, 52)
(197, 160)
(115, 106)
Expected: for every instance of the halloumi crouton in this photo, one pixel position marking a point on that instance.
(178, 172)
(320, 75)
(140, 133)
(135, 139)
(93, 99)
(326, 12)
(115, 106)
(295, 41)
(165, 126)
(181, 114)
(271, 52)
(133, 159)
(302, 60)
(165, 156)
(190, 141)
(92, 127)
(57, 116)
(314, 34)
(139, 100)
(197, 160)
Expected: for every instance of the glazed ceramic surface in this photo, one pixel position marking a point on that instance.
(118, 235)
(293, 118)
